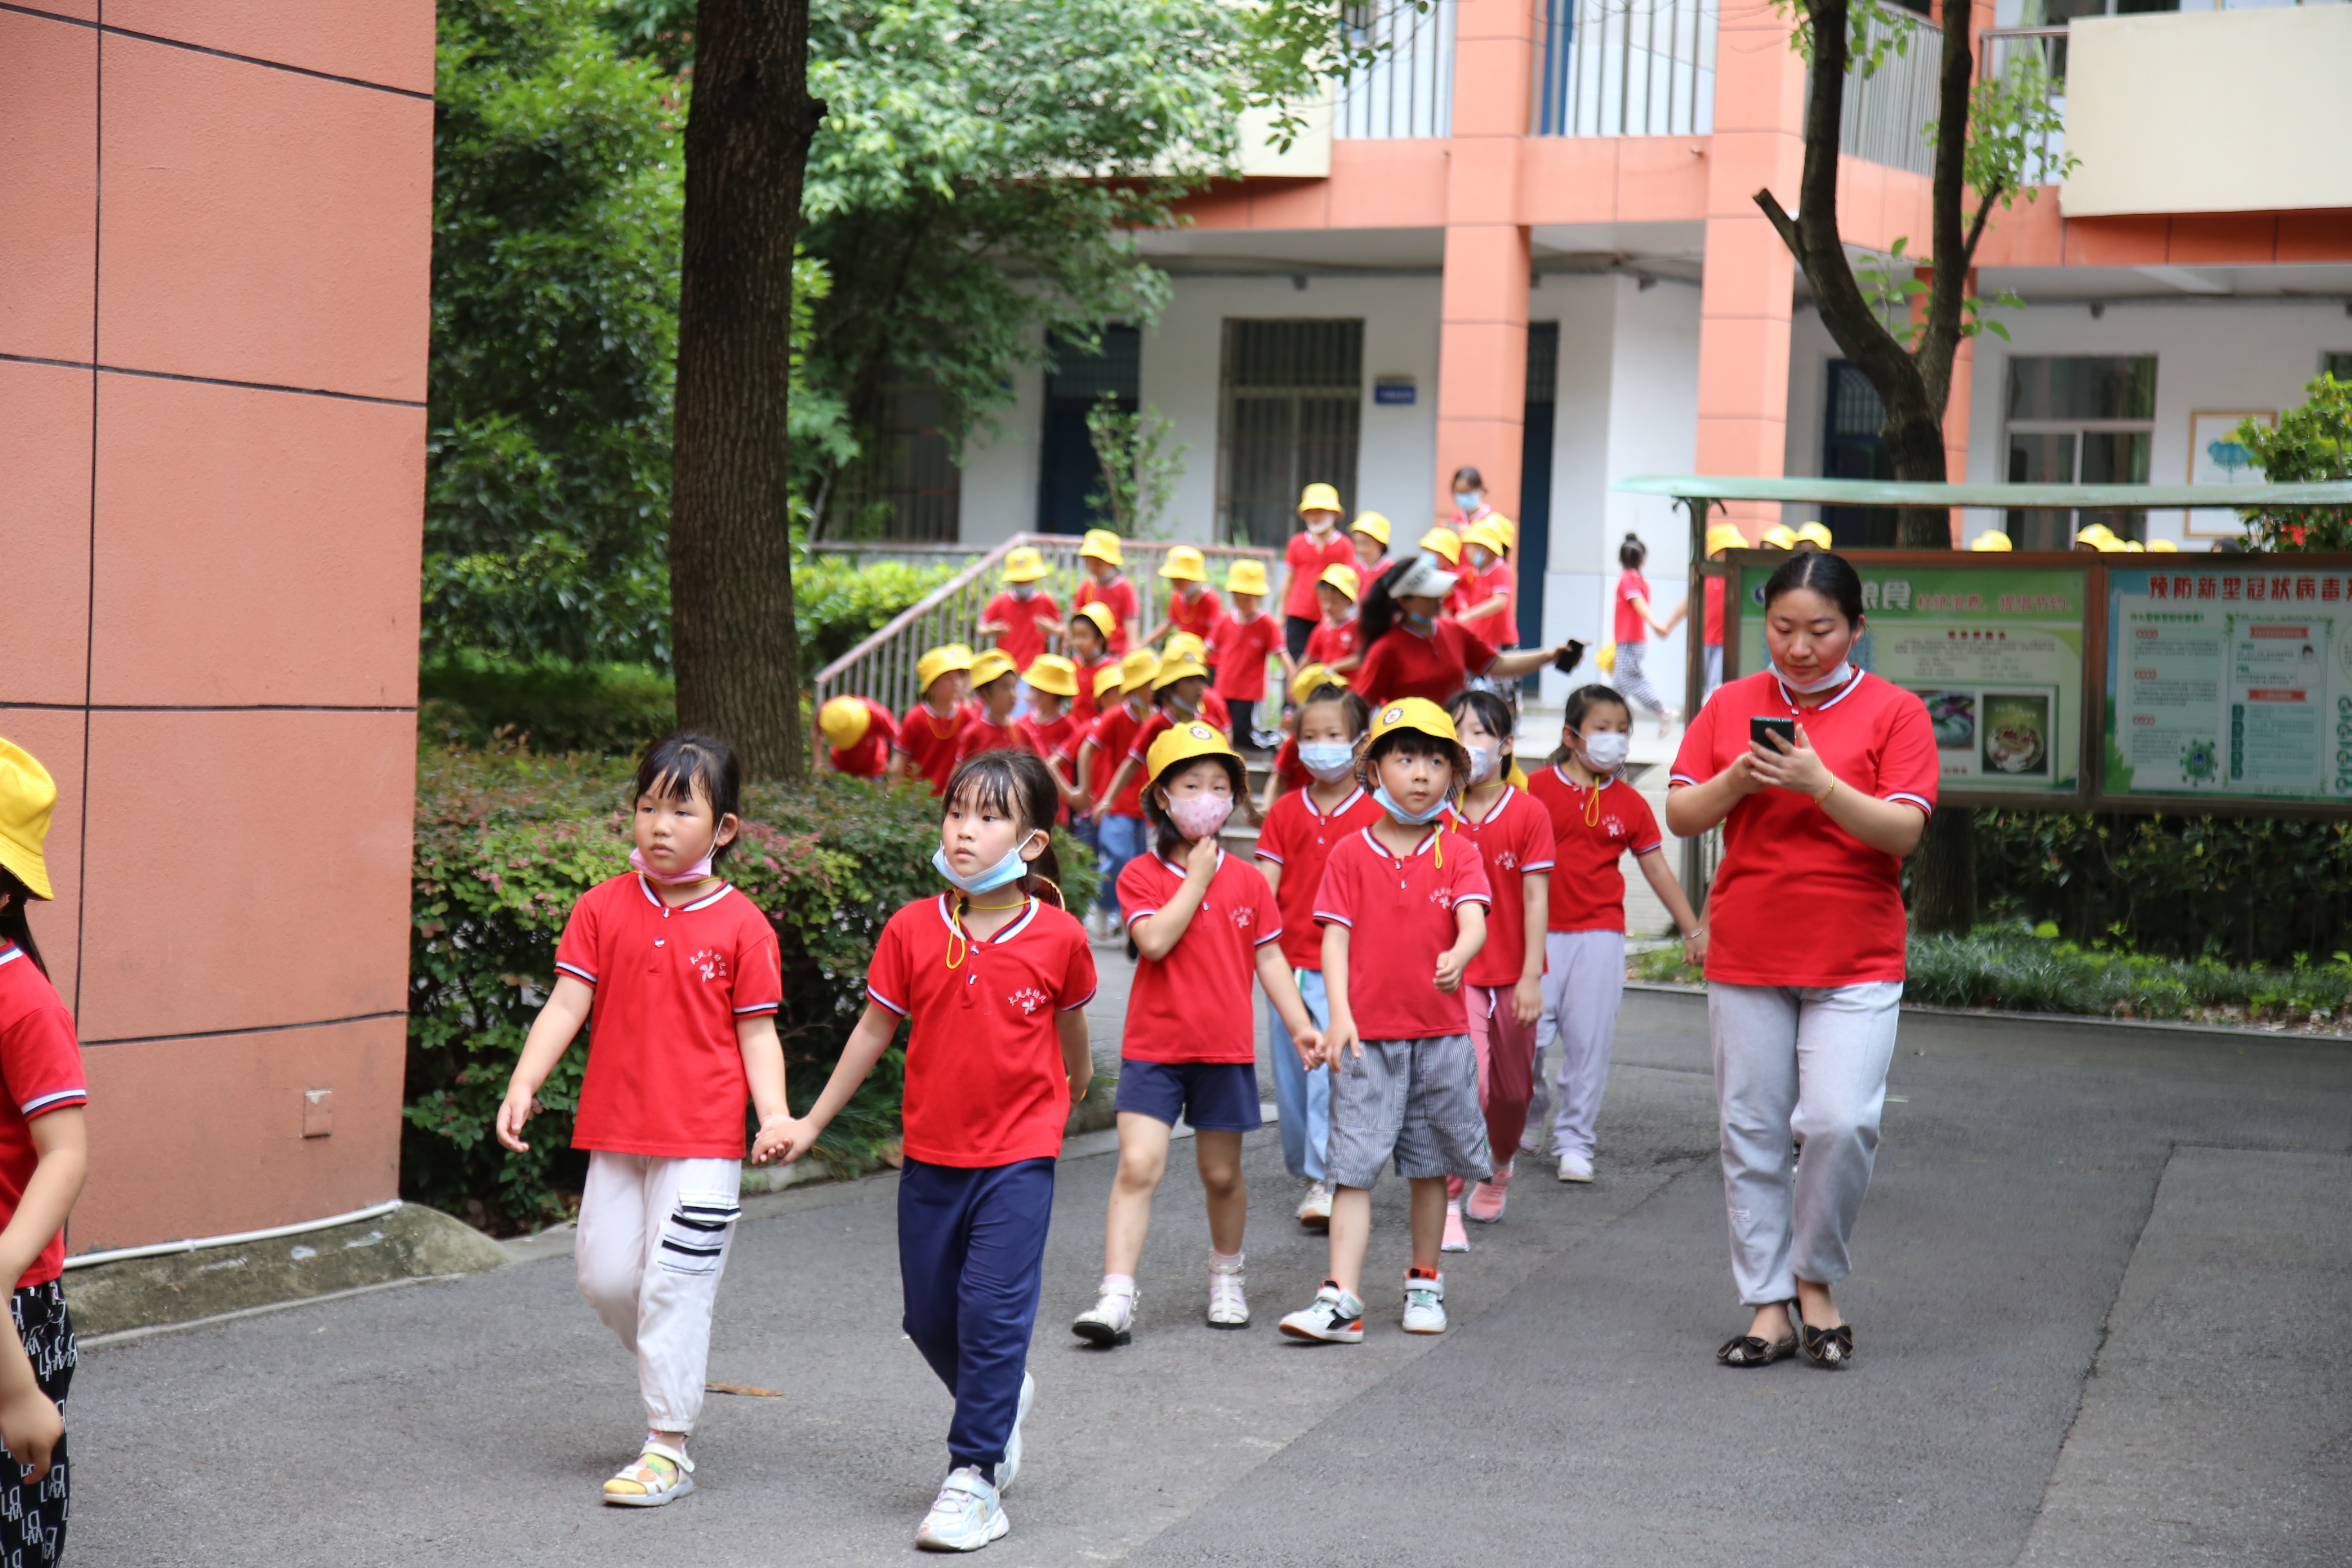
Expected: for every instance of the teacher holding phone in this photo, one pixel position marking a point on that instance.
(1823, 777)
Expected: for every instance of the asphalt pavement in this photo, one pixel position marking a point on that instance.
(2099, 1299)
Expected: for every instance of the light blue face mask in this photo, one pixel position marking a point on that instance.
(1422, 624)
(1327, 760)
(1012, 869)
(1389, 804)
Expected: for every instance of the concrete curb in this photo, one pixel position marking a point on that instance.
(2086, 1020)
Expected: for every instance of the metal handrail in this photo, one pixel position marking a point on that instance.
(883, 666)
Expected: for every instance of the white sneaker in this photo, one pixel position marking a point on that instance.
(1109, 1322)
(1228, 1308)
(1010, 1466)
(1335, 1318)
(1424, 1304)
(1456, 1239)
(964, 1517)
(1315, 1208)
(1575, 1168)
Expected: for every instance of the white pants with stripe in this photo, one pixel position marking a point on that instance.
(1584, 980)
(1797, 1064)
(652, 1242)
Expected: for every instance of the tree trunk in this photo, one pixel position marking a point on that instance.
(746, 141)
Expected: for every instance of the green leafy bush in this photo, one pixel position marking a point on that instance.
(840, 602)
(549, 704)
(505, 845)
(2309, 444)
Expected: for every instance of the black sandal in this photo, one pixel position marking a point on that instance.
(1831, 1348)
(1747, 1350)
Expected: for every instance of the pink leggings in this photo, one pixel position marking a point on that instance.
(1506, 1065)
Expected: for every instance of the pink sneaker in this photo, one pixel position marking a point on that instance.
(1488, 1198)
(1456, 1239)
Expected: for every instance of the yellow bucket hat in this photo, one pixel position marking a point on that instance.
(1101, 544)
(1780, 536)
(1051, 673)
(1445, 542)
(1724, 536)
(2163, 546)
(1183, 644)
(2096, 534)
(1418, 713)
(1991, 539)
(1309, 677)
(1182, 744)
(27, 796)
(1506, 527)
(1248, 576)
(843, 722)
(945, 660)
(1024, 566)
(1319, 498)
(994, 665)
(1174, 669)
(1103, 620)
(1136, 670)
(1488, 535)
(1184, 566)
(1816, 534)
(1106, 681)
(1372, 525)
(1343, 578)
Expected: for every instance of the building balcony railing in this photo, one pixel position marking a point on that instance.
(1625, 68)
(1408, 90)
(1885, 114)
(2001, 51)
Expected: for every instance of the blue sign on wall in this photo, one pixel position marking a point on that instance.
(1392, 390)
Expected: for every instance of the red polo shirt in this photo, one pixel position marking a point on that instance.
(1400, 911)
(1406, 664)
(1630, 625)
(1113, 737)
(1045, 739)
(1240, 649)
(1514, 837)
(870, 758)
(1299, 838)
(1592, 831)
(1327, 645)
(1118, 597)
(1199, 617)
(1308, 560)
(1083, 708)
(931, 741)
(985, 1081)
(1022, 639)
(979, 736)
(1711, 633)
(1194, 1006)
(40, 1072)
(664, 1071)
(1797, 899)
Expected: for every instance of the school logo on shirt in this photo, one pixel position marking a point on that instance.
(1613, 827)
(1027, 1000)
(1243, 917)
(710, 964)
(1443, 898)
(1507, 859)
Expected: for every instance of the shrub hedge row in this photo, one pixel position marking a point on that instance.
(505, 845)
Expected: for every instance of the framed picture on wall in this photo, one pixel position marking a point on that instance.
(2216, 457)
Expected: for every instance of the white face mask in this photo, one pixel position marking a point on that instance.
(1329, 761)
(1024, 590)
(1828, 682)
(1605, 750)
(1483, 760)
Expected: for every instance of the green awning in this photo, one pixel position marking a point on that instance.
(1889, 492)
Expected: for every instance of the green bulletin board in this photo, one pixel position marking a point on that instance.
(1997, 652)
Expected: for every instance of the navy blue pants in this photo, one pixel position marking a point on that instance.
(971, 1254)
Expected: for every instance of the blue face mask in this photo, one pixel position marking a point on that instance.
(1422, 624)
(1012, 869)
(1389, 804)
(1329, 760)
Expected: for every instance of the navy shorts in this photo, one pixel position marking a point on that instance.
(1211, 1097)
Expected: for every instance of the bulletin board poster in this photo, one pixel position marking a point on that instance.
(1995, 653)
(2231, 682)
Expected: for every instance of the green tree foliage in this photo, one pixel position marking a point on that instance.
(557, 201)
(1140, 468)
(2310, 445)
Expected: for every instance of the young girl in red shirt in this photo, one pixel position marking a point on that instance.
(1240, 647)
(1300, 829)
(1088, 643)
(1502, 987)
(1201, 924)
(1597, 819)
(44, 1156)
(994, 977)
(988, 722)
(684, 979)
(1337, 643)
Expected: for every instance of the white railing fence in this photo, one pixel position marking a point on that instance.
(1886, 114)
(2007, 49)
(883, 666)
(1407, 90)
(1625, 68)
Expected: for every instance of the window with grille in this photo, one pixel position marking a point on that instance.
(1854, 447)
(1293, 397)
(906, 484)
(2079, 420)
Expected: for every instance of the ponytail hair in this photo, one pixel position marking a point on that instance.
(1632, 553)
(1019, 784)
(1377, 612)
(14, 900)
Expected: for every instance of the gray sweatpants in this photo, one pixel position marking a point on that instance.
(1628, 678)
(1809, 1061)
(1583, 982)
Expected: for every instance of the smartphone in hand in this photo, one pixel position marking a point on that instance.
(1760, 727)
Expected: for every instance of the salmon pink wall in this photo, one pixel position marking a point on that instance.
(214, 296)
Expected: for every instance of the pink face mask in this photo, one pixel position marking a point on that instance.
(699, 871)
(1197, 817)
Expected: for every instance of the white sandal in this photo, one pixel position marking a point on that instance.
(645, 1484)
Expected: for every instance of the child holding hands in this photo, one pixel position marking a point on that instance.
(994, 977)
(684, 979)
(1405, 1079)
